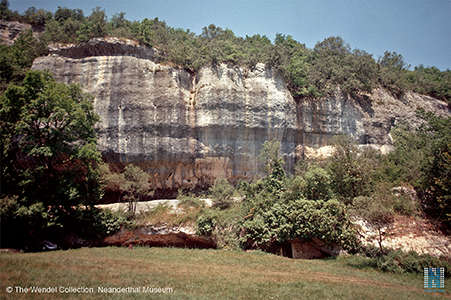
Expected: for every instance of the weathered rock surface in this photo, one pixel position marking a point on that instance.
(187, 129)
(315, 248)
(408, 234)
(10, 30)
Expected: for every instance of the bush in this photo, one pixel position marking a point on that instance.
(397, 261)
(304, 219)
(405, 205)
(97, 223)
(377, 211)
(222, 192)
(109, 222)
(227, 228)
(422, 159)
(189, 200)
(222, 225)
(318, 184)
(352, 171)
(294, 189)
(206, 224)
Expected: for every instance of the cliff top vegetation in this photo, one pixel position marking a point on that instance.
(311, 73)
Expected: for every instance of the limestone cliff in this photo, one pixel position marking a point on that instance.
(187, 129)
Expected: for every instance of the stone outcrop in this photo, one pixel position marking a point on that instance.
(186, 129)
(314, 248)
(10, 30)
(407, 234)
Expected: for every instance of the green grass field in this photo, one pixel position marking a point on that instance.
(200, 274)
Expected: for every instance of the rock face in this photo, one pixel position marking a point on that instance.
(314, 248)
(187, 129)
(407, 234)
(10, 30)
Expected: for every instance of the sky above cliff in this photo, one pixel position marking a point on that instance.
(420, 30)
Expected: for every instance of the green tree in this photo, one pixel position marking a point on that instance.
(392, 73)
(62, 14)
(421, 158)
(318, 184)
(131, 185)
(431, 81)
(352, 170)
(49, 157)
(5, 13)
(273, 166)
(403, 165)
(222, 192)
(15, 60)
(137, 186)
(303, 219)
(114, 183)
(95, 26)
(377, 211)
(435, 180)
(292, 59)
(37, 17)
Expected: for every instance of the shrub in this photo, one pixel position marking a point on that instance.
(227, 228)
(377, 211)
(189, 200)
(132, 185)
(108, 222)
(222, 192)
(97, 223)
(405, 205)
(295, 189)
(206, 224)
(222, 225)
(305, 219)
(397, 261)
(351, 170)
(422, 159)
(318, 184)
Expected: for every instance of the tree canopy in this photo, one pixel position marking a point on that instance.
(48, 145)
(311, 73)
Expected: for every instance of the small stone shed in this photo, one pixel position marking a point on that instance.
(308, 249)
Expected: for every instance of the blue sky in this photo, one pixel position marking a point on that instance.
(420, 30)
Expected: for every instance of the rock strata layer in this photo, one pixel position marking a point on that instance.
(187, 129)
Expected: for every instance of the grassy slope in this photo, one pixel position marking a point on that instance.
(203, 274)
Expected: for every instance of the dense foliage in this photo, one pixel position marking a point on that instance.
(16, 60)
(312, 73)
(48, 165)
(397, 261)
(422, 158)
(279, 209)
(131, 185)
(319, 200)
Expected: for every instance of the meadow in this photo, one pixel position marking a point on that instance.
(198, 274)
